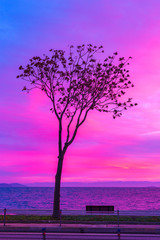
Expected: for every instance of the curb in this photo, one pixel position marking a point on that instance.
(81, 230)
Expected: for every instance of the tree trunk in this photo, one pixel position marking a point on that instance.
(56, 203)
(56, 207)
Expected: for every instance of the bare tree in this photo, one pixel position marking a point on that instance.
(76, 84)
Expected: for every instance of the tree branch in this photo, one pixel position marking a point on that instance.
(76, 128)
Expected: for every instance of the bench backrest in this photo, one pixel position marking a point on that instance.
(100, 208)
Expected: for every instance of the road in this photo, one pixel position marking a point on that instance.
(76, 236)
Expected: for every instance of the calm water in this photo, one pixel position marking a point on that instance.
(77, 198)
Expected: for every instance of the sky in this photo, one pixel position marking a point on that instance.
(124, 149)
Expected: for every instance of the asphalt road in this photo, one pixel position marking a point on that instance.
(76, 236)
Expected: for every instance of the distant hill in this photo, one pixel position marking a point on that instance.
(86, 184)
(8, 185)
(40, 184)
(98, 184)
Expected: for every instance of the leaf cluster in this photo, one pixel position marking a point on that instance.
(78, 82)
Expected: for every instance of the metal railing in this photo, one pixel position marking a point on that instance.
(47, 212)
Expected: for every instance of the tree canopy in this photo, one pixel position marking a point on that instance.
(79, 83)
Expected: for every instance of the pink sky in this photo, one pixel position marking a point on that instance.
(127, 148)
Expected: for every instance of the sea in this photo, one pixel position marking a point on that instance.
(76, 198)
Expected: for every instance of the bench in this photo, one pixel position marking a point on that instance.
(99, 208)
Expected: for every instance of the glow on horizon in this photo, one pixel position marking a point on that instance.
(127, 148)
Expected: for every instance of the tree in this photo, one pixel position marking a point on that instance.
(77, 84)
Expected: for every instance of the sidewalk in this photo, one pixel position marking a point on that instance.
(79, 228)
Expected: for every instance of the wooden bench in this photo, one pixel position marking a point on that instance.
(99, 208)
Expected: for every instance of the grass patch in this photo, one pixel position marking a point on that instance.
(81, 219)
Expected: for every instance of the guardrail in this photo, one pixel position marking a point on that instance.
(47, 212)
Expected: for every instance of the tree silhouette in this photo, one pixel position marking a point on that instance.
(76, 84)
